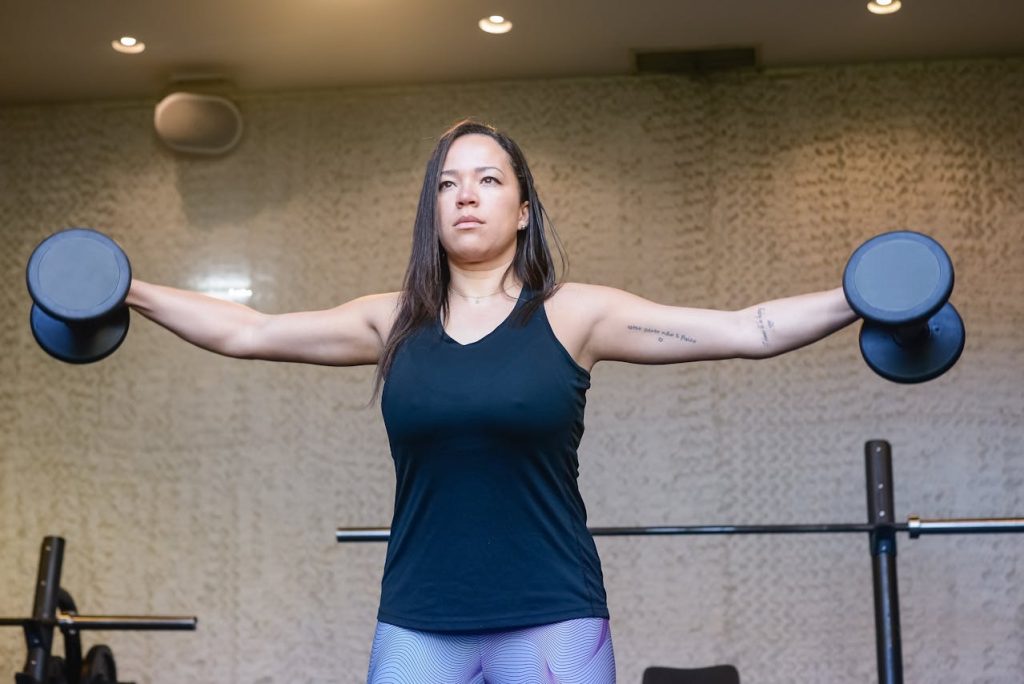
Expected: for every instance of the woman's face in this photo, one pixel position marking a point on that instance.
(478, 203)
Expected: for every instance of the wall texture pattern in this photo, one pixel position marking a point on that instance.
(189, 483)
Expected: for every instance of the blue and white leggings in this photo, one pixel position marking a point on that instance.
(571, 652)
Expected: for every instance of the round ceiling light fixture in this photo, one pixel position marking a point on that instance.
(884, 6)
(495, 24)
(128, 45)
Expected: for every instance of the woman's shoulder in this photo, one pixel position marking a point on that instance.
(380, 304)
(378, 310)
(573, 311)
(583, 295)
(579, 302)
(588, 304)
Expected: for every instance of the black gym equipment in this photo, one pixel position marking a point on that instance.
(78, 279)
(98, 666)
(54, 608)
(899, 283)
(716, 674)
(881, 529)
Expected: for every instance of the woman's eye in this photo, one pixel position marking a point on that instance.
(489, 179)
(445, 185)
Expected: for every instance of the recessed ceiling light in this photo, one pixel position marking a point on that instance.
(884, 6)
(495, 24)
(128, 45)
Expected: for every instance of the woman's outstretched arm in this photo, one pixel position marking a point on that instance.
(347, 335)
(619, 326)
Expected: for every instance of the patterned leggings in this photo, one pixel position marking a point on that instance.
(571, 652)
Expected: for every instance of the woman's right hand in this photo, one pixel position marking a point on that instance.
(351, 334)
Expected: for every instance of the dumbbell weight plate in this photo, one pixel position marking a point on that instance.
(83, 342)
(78, 274)
(898, 278)
(98, 666)
(914, 360)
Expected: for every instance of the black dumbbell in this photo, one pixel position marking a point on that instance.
(899, 283)
(78, 279)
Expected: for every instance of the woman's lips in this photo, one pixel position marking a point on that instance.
(468, 222)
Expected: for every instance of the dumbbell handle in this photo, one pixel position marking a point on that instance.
(911, 334)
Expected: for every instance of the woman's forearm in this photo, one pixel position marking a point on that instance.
(781, 325)
(214, 324)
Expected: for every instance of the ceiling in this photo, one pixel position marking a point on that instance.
(59, 50)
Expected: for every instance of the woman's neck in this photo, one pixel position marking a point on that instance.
(480, 285)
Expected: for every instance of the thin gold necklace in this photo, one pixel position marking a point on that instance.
(476, 299)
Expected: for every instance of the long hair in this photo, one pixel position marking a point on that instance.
(424, 296)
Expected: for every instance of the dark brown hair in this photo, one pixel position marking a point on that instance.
(424, 296)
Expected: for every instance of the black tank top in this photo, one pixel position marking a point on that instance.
(489, 529)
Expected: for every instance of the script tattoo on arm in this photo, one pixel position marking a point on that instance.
(662, 334)
(765, 325)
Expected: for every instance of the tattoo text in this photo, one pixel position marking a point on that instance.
(765, 325)
(663, 334)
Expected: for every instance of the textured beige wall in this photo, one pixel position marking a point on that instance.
(189, 483)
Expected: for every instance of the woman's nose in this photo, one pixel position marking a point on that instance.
(466, 195)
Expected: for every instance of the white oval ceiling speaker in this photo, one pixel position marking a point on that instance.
(200, 124)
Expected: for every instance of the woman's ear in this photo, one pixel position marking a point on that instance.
(524, 215)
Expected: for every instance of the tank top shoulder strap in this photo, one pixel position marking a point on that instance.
(541, 324)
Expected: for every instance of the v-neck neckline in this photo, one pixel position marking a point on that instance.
(504, 321)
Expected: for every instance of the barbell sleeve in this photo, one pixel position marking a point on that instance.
(918, 526)
(127, 622)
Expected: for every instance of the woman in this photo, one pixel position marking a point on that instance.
(484, 361)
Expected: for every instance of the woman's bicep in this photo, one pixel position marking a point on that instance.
(636, 330)
(348, 335)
